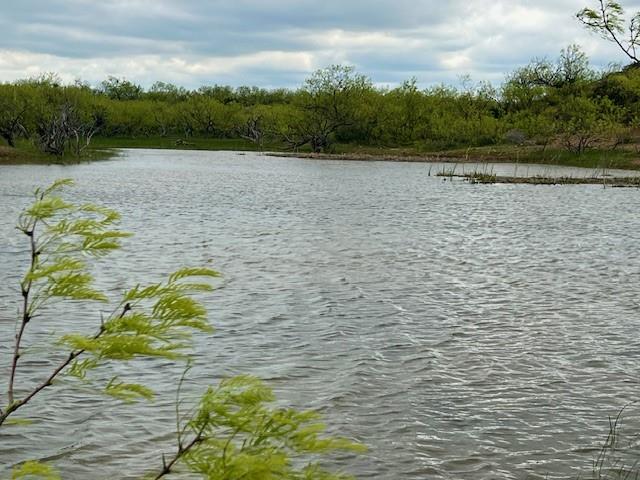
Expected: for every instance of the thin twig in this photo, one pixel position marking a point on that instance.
(13, 406)
(182, 450)
(26, 315)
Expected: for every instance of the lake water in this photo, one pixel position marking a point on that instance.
(460, 331)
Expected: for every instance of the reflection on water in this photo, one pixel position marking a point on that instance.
(461, 331)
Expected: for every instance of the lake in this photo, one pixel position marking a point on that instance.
(460, 331)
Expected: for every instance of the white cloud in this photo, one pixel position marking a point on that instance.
(149, 68)
(346, 40)
(279, 42)
(457, 61)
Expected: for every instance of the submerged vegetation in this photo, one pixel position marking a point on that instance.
(483, 177)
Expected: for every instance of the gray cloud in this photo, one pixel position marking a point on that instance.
(279, 42)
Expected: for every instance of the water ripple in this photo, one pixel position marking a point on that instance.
(461, 331)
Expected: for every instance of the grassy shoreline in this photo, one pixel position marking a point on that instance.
(607, 159)
(597, 158)
(30, 156)
(102, 147)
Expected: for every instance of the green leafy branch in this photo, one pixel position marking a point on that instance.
(153, 321)
(34, 469)
(607, 20)
(233, 432)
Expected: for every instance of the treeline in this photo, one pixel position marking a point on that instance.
(560, 103)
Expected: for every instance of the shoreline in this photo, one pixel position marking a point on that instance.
(596, 159)
(20, 156)
(471, 157)
(377, 157)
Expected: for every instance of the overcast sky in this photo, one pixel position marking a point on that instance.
(278, 43)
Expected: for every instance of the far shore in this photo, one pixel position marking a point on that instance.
(596, 158)
(373, 157)
(102, 148)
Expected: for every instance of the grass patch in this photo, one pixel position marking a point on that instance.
(618, 457)
(27, 154)
(601, 159)
(623, 159)
(181, 143)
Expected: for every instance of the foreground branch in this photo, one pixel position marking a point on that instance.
(26, 316)
(182, 450)
(13, 405)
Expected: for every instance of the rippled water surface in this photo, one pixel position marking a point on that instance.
(460, 331)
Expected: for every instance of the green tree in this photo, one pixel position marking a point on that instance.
(538, 100)
(623, 89)
(167, 92)
(406, 115)
(15, 103)
(66, 118)
(207, 116)
(328, 100)
(583, 121)
(571, 68)
(121, 89)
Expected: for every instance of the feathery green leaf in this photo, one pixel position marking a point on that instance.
(128, 392)
(192, 272)
(34, 469)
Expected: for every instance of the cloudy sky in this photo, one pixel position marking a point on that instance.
(277, 43)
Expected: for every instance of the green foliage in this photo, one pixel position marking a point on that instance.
(329, 101)
(234, 431)
(32, 470)
(153, 321)
(608, 21)
(203, 116)
(337, 106)
(62, 235)
(156, 320)
(18, 422)
(607, 18)
(121, 89)
(167, 92)
(15, 103)
(128, 392)
(583, 121)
